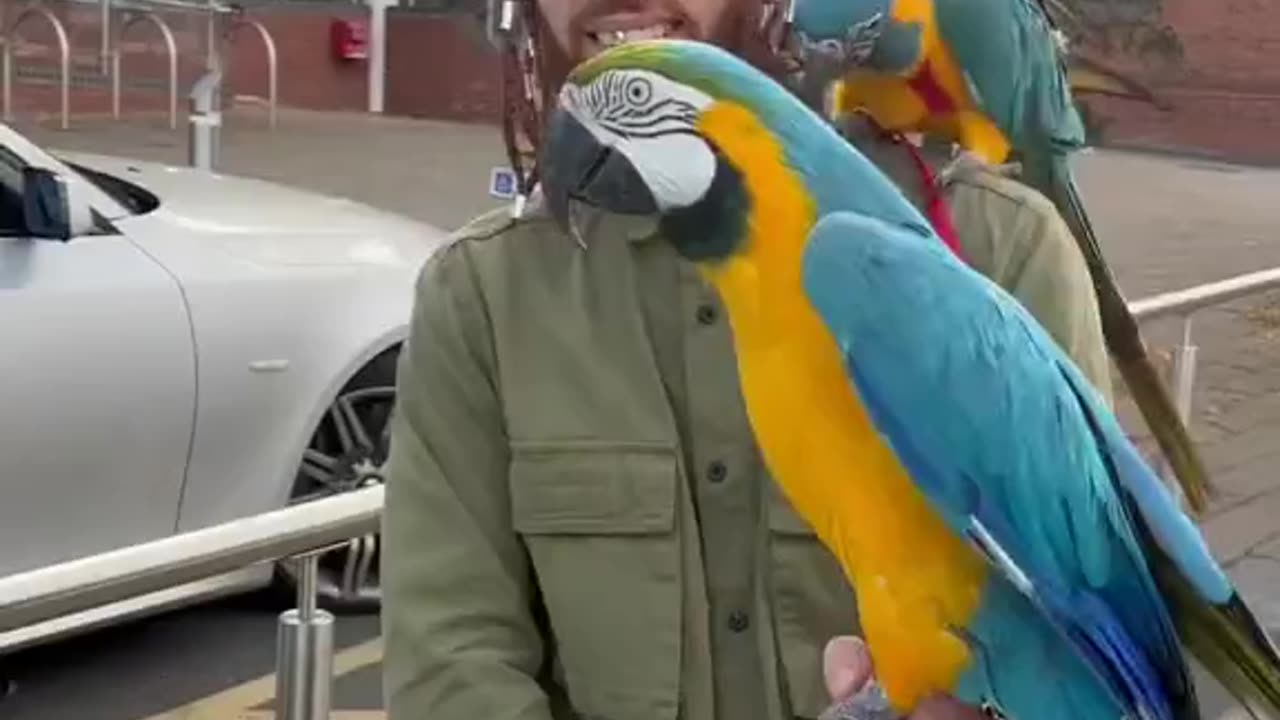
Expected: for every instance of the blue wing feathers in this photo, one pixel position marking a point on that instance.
(1172, 529)
(1023, 443)
(1011, 618)
(1143, 684)
(952, 499)
(1042, 677)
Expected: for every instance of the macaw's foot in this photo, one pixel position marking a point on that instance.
(992, 711)
(870, 703)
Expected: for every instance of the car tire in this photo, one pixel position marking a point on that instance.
(348, 450)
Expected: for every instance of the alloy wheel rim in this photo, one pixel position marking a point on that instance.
(348, 451)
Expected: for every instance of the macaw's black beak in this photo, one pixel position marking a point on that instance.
(578, 167)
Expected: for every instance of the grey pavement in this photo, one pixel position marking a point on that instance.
(1166, 223)
(435, 172)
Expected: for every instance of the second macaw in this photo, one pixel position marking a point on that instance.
(990, 75)
(1006, 542)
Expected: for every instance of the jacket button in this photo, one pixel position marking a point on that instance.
(706, 314)
(717, 472)
(738, 621)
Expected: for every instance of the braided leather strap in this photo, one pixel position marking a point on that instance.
(521, 99)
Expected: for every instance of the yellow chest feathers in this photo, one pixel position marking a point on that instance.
(914, 577)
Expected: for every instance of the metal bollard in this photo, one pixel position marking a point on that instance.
(304, 652)
(206, 121)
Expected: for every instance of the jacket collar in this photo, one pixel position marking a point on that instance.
(599, 226)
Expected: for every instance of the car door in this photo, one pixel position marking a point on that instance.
(97, 385)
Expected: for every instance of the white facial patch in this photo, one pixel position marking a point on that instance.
(652, 121)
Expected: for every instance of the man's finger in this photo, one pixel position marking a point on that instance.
(846, 666)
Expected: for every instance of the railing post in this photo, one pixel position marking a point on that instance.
(273, 68)
(304, 652)
(1182, 379)
(206, 119)
(171, 47)
(64, 64)
(212, 59)
(105, 31)
(377, 80)
(1185, 369)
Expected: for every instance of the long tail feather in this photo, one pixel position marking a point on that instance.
(1125, 341)
(1089, 76)
(1227, 639)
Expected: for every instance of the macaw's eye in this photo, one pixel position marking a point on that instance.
(639, 91)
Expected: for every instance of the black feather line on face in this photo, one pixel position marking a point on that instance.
(716, 226)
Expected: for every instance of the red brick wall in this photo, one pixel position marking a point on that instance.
(1225, 90)
(308, 75)
(437, 67)
(440, 67)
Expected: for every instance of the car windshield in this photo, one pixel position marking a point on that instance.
(133, 197)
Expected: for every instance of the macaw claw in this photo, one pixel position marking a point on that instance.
(869, 703)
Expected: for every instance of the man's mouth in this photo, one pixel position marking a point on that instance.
(608, 32)
(609, 38)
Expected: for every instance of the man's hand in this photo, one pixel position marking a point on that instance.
(846, 665)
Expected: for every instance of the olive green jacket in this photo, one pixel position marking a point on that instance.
(578, 523)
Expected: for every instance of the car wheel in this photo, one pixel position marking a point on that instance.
(348, 451)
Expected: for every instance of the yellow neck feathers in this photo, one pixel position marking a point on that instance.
(782, 213)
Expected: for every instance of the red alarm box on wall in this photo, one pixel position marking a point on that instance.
(349, 39)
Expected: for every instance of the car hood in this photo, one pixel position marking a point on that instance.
(266, 222)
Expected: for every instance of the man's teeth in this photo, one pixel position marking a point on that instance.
(617, 37)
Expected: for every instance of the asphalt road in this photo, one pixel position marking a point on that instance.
(1168, 223)
(213, 661)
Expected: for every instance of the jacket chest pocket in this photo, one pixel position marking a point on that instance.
(812, 602)
(600, 526)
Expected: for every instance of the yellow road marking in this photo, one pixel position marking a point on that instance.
(235, 703)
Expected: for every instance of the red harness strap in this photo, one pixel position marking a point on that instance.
(935, 205)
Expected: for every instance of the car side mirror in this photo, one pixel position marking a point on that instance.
(51, 206)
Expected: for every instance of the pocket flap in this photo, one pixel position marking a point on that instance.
(594, 491)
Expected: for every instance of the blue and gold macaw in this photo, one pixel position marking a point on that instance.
(1006, 542)
(991, 76)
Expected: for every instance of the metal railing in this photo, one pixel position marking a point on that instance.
(213, 8)
(64, 66)
(301, 532)
(146, 11)
(171, 47)
(77, 585)
(304, 649)
(273, 71)
(217, 12)
(1184, 304)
